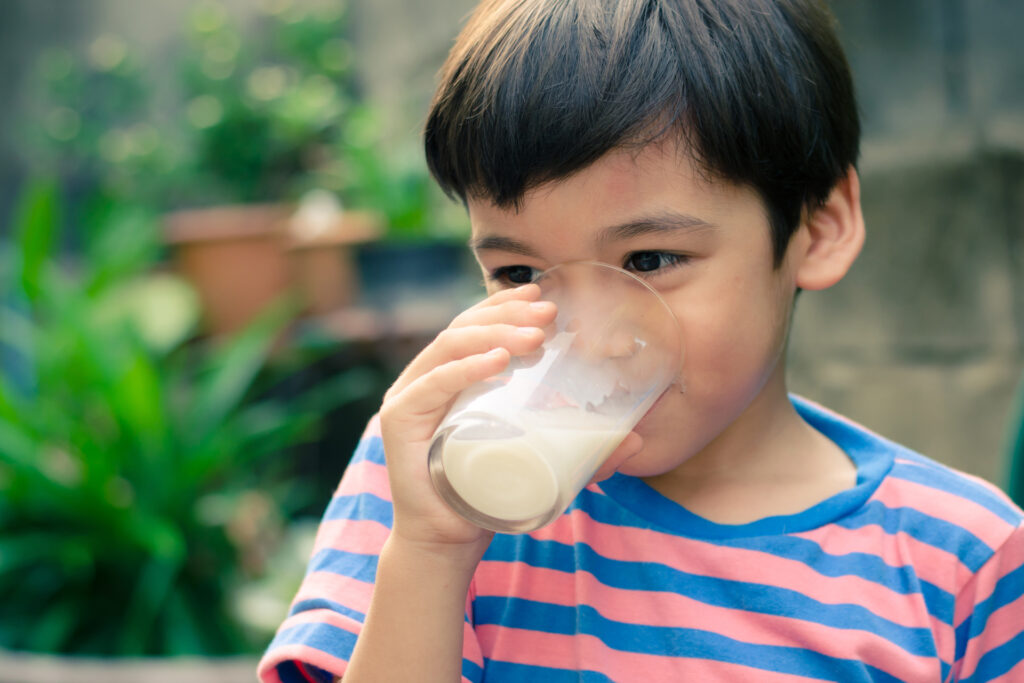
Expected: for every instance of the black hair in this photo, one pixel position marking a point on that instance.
(535, 90)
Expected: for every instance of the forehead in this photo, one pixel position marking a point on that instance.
(619, 188)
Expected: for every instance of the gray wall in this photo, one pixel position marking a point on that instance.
(924, 341)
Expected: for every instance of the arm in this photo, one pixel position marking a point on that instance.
(415, 622)
(414, 629)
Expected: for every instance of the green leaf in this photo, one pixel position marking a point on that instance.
(35, 228)
(51, 631)
(18, 447)
(155, 584)
(233, 370)
(18, 551)
(182, 631)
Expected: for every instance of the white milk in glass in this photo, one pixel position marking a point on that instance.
(514, 450)
(517, 477)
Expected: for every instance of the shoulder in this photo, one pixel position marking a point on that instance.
(917, 496)
(920, 496)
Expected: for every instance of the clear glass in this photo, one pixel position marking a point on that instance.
(516, 449)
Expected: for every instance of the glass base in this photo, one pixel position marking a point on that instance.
(470, 512)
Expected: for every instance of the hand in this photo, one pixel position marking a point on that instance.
(477, 345)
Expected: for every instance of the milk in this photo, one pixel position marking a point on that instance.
(527, 475)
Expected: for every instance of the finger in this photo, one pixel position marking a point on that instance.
(515, 312)
(421, 405)
(528, 292)
(455, 343)
(630, 446)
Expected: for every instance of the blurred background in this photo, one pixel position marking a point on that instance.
(219, 244)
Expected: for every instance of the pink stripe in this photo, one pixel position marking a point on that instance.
(1008, 558)
(322, 616)
(750, 566)
(982, 483)
(588, 652)
(931, 564)
(988, 486)
(301, 653)
(372, 430)
(364, 536)
(1004, 623)
(365, 477)
(948, 507)
(372, 427)
(267, 673)
(672, 610)
(345, 590)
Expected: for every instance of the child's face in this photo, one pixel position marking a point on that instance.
(704, 245)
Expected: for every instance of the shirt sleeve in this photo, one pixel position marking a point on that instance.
(990, 618)
(315, 641)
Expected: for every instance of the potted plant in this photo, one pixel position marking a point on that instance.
(137, 477)
(261, 113)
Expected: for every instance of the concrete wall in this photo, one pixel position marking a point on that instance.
(924, 341)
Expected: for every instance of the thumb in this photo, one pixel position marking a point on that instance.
(630, 446)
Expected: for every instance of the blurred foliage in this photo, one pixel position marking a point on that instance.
(141, 473)
(261, 110)
(1015, 448)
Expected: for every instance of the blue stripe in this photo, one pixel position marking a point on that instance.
(944, 479)
(899, 579)
(361, 506)
(508, 671)
(370, 449)
(355, 565)
(998, 661)
(938, 533)
(1008, 589)
(752, 597)
(335, 641)
(472, 670)
(667, 641)
(323, 603)
(941, 603)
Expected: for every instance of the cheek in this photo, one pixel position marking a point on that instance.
(732, 339)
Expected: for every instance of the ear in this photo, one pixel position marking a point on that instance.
(830, 236)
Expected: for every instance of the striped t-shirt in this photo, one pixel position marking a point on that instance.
(915, 574)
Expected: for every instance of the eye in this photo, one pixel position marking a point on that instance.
(650, 261)
(513, 275)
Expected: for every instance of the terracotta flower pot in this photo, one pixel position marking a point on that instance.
(242, 258)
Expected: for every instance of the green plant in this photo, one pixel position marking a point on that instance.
(139, 472)
(1015, 448)
(243, 112)
(267, 102)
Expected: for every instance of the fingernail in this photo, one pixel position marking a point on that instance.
(540, 305)
(528, 331)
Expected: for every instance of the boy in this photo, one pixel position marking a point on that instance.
(737, 534)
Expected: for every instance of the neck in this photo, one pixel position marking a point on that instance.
(768, 462)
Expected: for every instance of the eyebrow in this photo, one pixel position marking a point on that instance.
(666, 221)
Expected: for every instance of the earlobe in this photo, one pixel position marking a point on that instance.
(833, 235)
